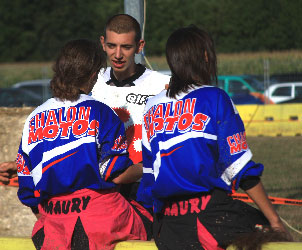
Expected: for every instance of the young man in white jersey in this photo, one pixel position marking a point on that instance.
(121, 41)
(125, 86)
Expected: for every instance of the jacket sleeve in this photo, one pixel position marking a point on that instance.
(144, 191)
(26, 191)
(113, 154)
(235, 156)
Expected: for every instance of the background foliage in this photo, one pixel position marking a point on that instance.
(228, 64)
(34, 30)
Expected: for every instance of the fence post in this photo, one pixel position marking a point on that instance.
(135, 8)
(266, 76)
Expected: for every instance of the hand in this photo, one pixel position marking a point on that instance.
(259, 196)
(279, 227)
(130, 175)
(8, 170)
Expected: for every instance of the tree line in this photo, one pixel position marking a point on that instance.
(34, 30)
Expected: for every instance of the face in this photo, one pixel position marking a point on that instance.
(120, 50)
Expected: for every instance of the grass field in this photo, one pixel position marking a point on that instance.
(249, 63)
(282, 176)
(239, 63)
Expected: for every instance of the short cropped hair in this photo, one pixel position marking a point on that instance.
(191, 56)
(75, 64)
(123, 23)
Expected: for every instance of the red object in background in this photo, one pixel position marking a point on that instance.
(274, 200)
(12, 182)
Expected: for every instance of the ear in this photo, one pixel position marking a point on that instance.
(140, 46)
(102, 40)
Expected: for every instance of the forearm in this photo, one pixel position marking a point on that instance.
(131, 174)
(259, 196)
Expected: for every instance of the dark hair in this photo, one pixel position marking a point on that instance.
(191, 56)
(75, 64)
(255, 240)
(123, 23)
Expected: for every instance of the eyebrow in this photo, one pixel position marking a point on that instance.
(122, 45)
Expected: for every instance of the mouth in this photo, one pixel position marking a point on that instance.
(118, 64)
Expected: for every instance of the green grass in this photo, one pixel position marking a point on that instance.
(249, 63)
(11, 73)
(254, 63)
(237, 63)
(282, 176)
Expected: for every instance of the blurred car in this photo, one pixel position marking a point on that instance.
(236, 84)
(40, 87)
(14, 97)
(243, 89)
(165, 72)
(245, 99)
(285, 78)
(241, 85)
(289, 92)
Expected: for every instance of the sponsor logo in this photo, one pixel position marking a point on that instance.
(195, 205)
(137, 98)
(180, 116)
(120, 143)
(21, 167)
(237, 143)
(66, 207)
(50, 124)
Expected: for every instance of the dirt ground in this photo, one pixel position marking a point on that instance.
(15, 219)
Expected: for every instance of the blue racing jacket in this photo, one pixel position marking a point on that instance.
(67, 146)
(192, 144)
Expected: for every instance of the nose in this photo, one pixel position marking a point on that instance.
(118, 53)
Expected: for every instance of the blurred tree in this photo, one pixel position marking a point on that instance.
(34, 30)
(161, 19)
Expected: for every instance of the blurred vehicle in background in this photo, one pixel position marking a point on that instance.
(243, 89)
(39, 87)
(236, 84)
(245, 98)
(165, 72)
(285, 78)
(243, 85)
(14, 97)
(290, 92)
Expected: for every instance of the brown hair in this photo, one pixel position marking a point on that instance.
(123, 23)
(191, 56)
(255, 240)
(76, 63)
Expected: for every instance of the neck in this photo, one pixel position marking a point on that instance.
(120, 76)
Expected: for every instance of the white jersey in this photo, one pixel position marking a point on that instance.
(129, 102)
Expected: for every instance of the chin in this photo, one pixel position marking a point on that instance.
(118, 69)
